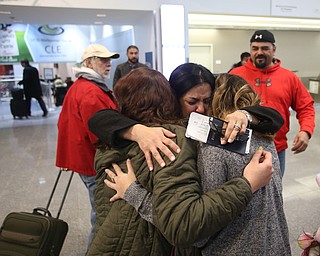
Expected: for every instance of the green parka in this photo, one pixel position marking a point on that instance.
(181, 213)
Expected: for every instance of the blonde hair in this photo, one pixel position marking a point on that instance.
(232, 93)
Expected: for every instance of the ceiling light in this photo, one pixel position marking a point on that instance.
(98, 23)
(235, 21)
(5, 12)
(101, 15)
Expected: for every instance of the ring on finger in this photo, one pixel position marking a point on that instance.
(237, 127)
(112, 179)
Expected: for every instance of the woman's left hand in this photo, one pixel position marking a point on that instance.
(120, 180)
(237, 123)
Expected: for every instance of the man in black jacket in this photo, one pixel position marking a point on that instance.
(32, 86)
(132, 63)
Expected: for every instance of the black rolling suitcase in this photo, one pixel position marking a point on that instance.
(18, 104)
(36, 233)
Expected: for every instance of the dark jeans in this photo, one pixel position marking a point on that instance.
(41, 103)
(282, 160)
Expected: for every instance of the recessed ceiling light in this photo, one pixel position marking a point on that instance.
(5, 12)
(101, 15)
(257, 22)
(98, 22)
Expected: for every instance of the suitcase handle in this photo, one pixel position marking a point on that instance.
(65, 192)
(45, 211)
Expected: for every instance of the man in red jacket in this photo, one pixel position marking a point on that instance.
(88, 94)
(280, 89)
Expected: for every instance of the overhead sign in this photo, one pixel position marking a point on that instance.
(296, 8)
(12, 44)
(43, 43)
(55, 43)
(8, 43)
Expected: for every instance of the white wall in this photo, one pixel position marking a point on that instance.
(301, 55)
(145, 36)
(243, 7)
(298, 50)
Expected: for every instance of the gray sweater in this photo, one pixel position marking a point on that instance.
(261, 229)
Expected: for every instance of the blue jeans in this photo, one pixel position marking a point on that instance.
(282, 159)
(90, 183)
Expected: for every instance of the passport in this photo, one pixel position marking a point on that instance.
(209, 130)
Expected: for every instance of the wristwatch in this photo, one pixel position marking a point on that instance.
(249, 117)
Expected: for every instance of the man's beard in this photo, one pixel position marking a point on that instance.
(259, 64)
(134, 60)
(106, 76)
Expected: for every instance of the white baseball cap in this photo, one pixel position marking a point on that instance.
(98, 50)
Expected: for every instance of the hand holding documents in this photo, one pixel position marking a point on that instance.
(210, 130)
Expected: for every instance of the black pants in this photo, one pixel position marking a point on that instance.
(41, 103)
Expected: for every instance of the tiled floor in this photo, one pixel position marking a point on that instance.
(27, 160)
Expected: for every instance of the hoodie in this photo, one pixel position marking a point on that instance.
(281, 89)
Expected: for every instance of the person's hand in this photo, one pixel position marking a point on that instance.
(120, 180)
(259, 171)
(300, 142)
(237, 123)
(153, 139)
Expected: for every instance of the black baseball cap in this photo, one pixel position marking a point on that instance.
(262, 36)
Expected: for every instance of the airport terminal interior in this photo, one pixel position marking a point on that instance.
(28, 145)
(28, 172)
